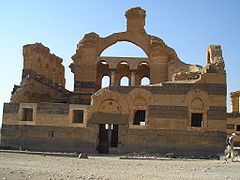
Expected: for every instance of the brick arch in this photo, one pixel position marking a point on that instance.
(140, 93)
(197, 94)
(142, 41)
(197, 104)
(104, 95)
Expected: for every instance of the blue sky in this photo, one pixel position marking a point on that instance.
(188, 26)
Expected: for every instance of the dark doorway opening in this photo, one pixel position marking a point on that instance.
(108, 137)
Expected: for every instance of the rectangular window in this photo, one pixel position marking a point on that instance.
(78, 116)
(237, 127)
(139, 117)
(196, 119)
(27, 114)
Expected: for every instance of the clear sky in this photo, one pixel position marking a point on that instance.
(188, 26)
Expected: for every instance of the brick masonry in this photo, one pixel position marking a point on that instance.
(85, 84)
(15, 136)
(233, 115)
(52, 108)
(11, 108)
(217, 113)
(214, 89)
(176, 112)
(40, 78)
(69, 139)
(108, 118)
(180, 142)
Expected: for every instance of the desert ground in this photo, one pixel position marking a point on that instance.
(27, 166)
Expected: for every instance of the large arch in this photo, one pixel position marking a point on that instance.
(140, 40)
(124, 49)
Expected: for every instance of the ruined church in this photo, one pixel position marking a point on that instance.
(182, 110)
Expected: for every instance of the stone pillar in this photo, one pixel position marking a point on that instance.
(132, 80)
(112, 78)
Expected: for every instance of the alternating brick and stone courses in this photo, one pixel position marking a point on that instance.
(181, 110)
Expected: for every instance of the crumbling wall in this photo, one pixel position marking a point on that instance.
(214, 64)
(42, 77)
(39, 61)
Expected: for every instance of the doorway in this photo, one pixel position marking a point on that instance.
(108, 137)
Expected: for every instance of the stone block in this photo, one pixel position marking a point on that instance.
(11, 108)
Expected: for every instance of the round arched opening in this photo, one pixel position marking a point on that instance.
(145, 81)
(124, 81)
(104, 62)
(143, 74)
(102, 73)
(124, 62)
(105, 82)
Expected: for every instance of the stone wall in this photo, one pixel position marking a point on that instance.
(182, 143)
(47, 138)
(176, 88)
(37, 58)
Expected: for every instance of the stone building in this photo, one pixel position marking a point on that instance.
(182, 110)
(233, 118)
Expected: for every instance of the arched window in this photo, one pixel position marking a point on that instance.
(102, 75)
(124, 81)
(143, 74)
(123, 62)
(105, 81)
(145, 81)
(143, 63)
(103, 62)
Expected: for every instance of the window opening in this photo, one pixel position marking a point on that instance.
(27, 114)
(105, 81)
(237, 127)
(124, 81)
(124, 62)
(78, 116)
(104, 62)
(145, 81)
(196, 119)
(143, 63)
(139, 117)
(106, 126)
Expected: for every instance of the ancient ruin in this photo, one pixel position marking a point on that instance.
(181, 111)
(233, 118)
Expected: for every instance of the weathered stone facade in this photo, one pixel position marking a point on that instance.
(233, 118)
(181, 111)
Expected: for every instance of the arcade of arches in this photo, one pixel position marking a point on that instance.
(122, 73)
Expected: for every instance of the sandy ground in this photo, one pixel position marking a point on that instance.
(25, 166)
